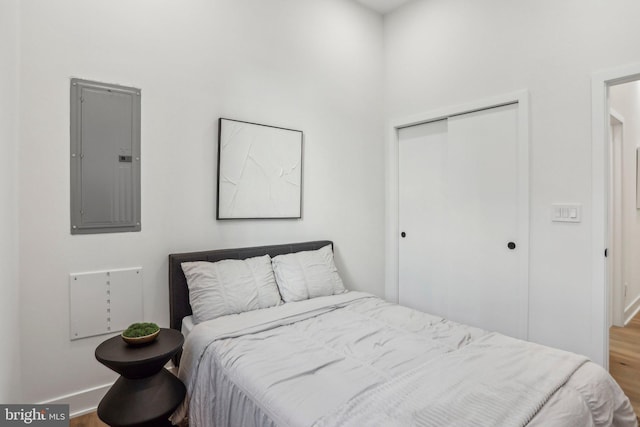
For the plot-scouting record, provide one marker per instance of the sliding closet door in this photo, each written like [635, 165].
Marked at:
[483, 203]
[424, 255]
[459, 212]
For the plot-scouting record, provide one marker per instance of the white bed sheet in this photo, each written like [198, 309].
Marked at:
[187, 325]
[294, 364]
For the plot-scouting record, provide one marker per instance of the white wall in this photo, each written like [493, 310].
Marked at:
[447, 52]
[625, 99]
[309, 65]
[9, 307]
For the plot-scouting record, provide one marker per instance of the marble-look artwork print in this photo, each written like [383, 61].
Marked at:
[259, 171]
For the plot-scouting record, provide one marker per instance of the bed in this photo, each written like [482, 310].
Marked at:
[352, 359]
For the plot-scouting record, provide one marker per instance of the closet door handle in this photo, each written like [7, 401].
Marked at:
[511, 245]
[403, 234]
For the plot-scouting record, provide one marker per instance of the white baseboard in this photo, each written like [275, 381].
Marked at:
[631, 310]
[81, 402]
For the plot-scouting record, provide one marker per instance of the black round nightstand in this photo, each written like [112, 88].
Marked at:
[146, 394]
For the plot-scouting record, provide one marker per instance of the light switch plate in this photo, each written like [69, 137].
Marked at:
[566, 212]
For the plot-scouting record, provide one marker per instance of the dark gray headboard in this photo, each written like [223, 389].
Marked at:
[179, 293]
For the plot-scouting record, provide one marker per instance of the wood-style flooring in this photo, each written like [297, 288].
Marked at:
[624, 366]
[92, 420]
[89, 420]
[624, 359]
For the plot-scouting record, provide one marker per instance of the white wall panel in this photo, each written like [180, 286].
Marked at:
[316, 68]
[10, 390]
[103, 302]
[449, 52]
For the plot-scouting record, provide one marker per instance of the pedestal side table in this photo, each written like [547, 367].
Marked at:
[146, 394]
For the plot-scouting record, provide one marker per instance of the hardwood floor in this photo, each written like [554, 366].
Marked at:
[89, 420]
[92, 420]
[624, 359]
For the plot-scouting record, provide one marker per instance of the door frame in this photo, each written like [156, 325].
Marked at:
[600, 82]
[392, 216]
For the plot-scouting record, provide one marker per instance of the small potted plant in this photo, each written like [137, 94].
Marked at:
[140, 333]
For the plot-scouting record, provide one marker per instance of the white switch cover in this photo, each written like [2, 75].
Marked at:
[566, 212]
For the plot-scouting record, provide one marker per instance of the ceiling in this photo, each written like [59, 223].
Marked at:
[383, 6]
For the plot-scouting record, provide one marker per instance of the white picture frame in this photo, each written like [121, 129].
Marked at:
[259, 171]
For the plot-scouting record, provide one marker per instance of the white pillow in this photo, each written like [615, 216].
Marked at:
[307, 274]
[230, 286]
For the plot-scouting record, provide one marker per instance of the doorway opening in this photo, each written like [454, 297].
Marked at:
[624, 235]
[608, 302]
[615, 245]
[623, 218]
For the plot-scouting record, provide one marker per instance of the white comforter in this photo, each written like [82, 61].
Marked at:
[353, 359]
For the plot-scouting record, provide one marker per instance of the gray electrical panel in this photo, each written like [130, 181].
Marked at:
[105, 158]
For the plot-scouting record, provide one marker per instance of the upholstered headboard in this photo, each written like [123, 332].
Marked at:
[179, 292]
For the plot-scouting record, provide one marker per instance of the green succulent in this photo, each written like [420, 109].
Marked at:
[136, 330]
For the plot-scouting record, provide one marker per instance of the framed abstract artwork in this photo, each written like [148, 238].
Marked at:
[259, 171]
